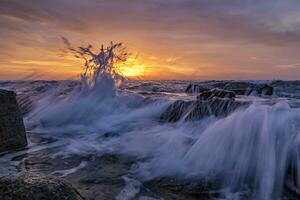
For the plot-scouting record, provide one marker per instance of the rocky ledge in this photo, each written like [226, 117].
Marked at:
[195, 110]
[34, 187]
[213, 99]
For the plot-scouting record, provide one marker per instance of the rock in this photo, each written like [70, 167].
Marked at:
[194, 88]
[171, 188]
[175, 111]
[238, 87]
[12, 130]
[102, 178]
[265, 90]
[195, 110]
[219, 93]
[25, 104]
[36, 188]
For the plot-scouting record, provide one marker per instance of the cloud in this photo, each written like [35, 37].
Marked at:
[255, 21]
[221, 33]
[289, 66]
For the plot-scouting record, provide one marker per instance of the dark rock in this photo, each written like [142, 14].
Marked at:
[12, 130]
[102, 178]
[25, 104]
[215, 93]
[265, 90]
[175, 111]
[195, 88]
[169, 188]
[36, 188]
[195, 110]
[238, 87]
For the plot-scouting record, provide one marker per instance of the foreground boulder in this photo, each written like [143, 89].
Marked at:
[195, 110]
[12, 130]
[36, 188]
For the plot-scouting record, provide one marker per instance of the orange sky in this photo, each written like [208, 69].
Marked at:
[174, 39]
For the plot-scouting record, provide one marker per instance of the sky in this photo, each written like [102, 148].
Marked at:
[171, 39]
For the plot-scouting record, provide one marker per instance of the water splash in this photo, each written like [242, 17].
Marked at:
[94, 100]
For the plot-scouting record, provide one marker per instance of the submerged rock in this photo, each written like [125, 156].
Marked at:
[195, 110]
[36, 188]
[12, 130]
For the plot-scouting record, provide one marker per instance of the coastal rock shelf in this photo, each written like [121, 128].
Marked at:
[12, 130]
[29, 187]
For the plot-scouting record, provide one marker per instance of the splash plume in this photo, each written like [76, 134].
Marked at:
[102, 64]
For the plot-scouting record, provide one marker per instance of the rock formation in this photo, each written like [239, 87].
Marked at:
[215, 93]
[195, 110]
[238, 87]
[12, 131]
[36, 187]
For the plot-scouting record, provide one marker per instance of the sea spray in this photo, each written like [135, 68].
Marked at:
[95, 101]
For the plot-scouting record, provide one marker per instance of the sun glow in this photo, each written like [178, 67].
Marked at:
[132, 68]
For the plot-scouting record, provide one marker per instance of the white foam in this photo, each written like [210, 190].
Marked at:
[131, 189]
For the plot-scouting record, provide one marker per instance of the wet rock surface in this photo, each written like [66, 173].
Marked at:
[219, 93]
[265, 90]
[12, 130]
[94, 177]
[195, 88]
[102, 177]
[217, 98]
[238, 87]
[195, 110]
[169, 189]
[36, 187]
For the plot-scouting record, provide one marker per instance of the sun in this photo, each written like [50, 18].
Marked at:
[132, 68]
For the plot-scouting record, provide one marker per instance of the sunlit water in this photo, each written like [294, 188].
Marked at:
[254, 150]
